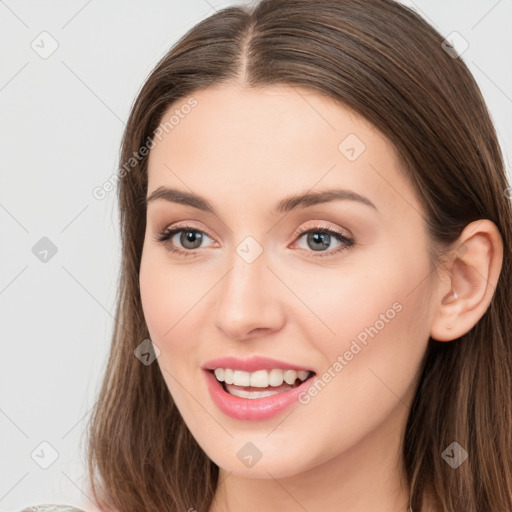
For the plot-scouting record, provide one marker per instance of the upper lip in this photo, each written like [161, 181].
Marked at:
[252, 364]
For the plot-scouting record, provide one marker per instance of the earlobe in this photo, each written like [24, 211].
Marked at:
[470, 278]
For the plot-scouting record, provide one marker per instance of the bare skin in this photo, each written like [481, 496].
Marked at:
[244, 150]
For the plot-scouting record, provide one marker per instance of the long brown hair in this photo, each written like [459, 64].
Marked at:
[386, 63]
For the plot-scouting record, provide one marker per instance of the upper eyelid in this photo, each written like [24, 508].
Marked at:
[322, 225]
[300, 232]
[178, 227]
[347, 242]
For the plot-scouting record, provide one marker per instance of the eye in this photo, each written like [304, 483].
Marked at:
[190, 239]
[320, 237]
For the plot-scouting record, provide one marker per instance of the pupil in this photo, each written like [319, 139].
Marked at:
[319, 238]
[190, 237]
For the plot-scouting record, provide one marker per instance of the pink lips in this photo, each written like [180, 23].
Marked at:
[256, 409]
[252, 364]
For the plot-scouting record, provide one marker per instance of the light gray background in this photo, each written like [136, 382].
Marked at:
[62, 121]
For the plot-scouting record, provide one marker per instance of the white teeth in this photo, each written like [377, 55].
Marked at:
[242, 393]
[228, 376]
[303, 374]
[275, 377]
[242, 378]
[260, 378]
[290, 376]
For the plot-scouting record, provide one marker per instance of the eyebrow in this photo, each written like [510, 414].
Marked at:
[285, 205]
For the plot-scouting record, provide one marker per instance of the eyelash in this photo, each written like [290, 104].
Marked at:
[167, 234]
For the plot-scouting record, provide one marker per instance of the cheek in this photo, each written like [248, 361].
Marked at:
[337, 304]
[373, 313]
[167, 293]
[370, 365]
[380, 295]
[156, 304]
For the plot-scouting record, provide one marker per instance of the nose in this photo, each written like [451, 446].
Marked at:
[250, 300]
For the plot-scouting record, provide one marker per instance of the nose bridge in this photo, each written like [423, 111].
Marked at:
[248, 300]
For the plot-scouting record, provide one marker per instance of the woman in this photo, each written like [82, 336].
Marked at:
[314, 306]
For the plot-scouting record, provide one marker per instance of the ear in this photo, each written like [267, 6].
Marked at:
[469, 278]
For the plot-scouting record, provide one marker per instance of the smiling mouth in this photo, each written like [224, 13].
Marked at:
[259, 384]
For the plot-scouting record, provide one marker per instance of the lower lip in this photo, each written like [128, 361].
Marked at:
[252, 409]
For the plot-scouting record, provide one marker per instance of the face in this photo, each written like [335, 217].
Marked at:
[335, 286]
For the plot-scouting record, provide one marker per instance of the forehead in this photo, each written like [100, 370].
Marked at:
[267, 140]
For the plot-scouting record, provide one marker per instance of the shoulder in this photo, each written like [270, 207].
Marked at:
[52, 508]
